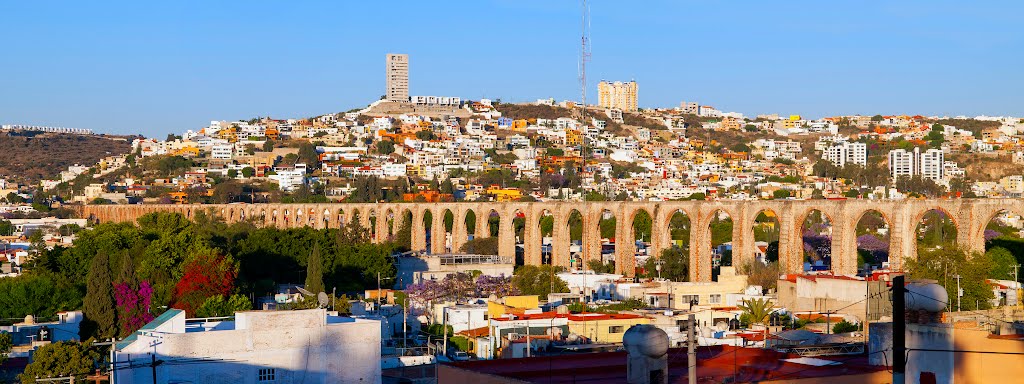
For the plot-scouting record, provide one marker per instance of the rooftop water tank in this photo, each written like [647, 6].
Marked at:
[930, 297]
[646, 339]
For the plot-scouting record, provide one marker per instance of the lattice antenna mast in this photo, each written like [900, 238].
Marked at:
[584, 54]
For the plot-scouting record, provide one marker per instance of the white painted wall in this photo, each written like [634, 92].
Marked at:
[305, 346]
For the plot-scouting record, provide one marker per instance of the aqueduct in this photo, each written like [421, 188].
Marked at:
[902, 217]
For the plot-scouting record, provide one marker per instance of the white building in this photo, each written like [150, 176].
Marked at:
[901, 163]
[289, 179]
[221, 152]
[928, 164]
[304, 346]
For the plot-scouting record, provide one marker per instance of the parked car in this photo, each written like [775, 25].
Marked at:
[460, 356]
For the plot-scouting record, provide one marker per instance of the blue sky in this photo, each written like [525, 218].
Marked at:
[136, 67]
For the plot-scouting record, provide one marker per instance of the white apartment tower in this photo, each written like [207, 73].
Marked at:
[843, 153]
[397, 77]
[930, 164]
[927, 164]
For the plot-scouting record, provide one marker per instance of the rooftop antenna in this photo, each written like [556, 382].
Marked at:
[584, 54]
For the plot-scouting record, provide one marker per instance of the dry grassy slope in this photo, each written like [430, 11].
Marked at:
[29, 158]
[987, 168]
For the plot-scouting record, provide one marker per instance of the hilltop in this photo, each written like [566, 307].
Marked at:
[32, 156]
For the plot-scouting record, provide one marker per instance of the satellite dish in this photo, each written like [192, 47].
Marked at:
[322, 299]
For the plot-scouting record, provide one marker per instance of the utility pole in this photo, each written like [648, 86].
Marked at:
[959, 292]
[444, 328]
[405, 317]
[527, 338]
[691, 348]
[899, 329]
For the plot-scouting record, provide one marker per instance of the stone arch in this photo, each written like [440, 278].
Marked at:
[872, 241]
[448, 220]
[638, 226]
[574, 226]
[766, 234]
[517, 228]
[818, 244]
[990, 216]
[370, 224]
[546, 232]
[721, 250]
[426, 219]
[919, 218]
[389, 224]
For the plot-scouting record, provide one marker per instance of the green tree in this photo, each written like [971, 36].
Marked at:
[98, 307]
[60, 359]
[942, 264]
[232, 173]
[481, 246]
[599, 266]
[217, 306]
[844, 327]
[1002, 263]
[6, 228]
[268, 146]
[248, 172]
[385, 147]
[309, 155]
[315, 271]
[780, 193]
[757, 310]
[539, 280]
[6, 343]
[675, 265]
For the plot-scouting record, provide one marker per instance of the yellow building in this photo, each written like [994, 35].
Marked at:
[731, 124]
[618, 95]
[795, 117]
[504, 194]
[710, 294]
[519, 125]
[603, 327]
[187, 152]
[512, 304]
[573, 137]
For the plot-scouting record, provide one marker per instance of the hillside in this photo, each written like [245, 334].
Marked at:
[29, 156]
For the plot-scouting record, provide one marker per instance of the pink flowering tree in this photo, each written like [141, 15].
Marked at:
[133, 306]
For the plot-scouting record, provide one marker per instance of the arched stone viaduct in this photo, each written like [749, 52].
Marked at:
[902, 216]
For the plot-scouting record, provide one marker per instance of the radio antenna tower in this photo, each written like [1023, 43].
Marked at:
[584, 55]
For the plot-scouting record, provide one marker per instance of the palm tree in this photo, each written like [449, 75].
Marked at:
[757, 309]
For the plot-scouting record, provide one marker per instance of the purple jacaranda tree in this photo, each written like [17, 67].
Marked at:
[818, 246]
[991, 234]
[877, 247]
[499, 286]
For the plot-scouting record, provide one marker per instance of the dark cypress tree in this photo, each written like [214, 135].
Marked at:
[315, 270]
[99, 307]
[128, 270]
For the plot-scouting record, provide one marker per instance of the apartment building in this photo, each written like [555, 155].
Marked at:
[617, 95]
[397, 77]
[928, 164]
[843, 153]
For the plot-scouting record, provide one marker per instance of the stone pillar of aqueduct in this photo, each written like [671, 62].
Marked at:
[902, 216]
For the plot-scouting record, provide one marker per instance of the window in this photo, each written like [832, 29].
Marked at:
[690, 299]
[716, 299]
[615, 329]
[266, 375]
